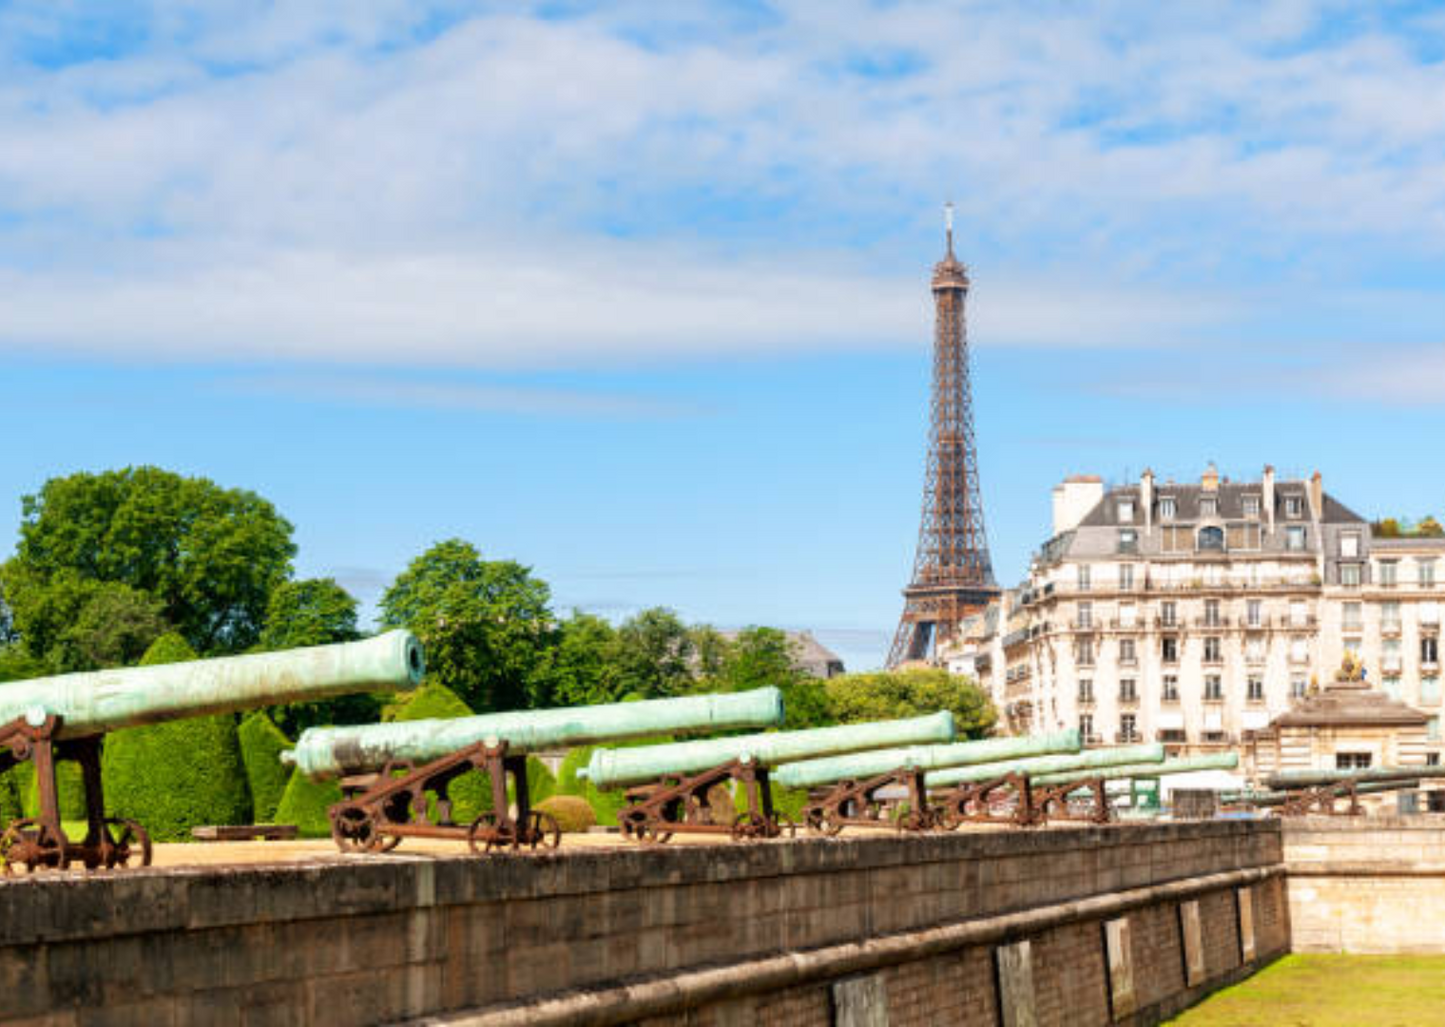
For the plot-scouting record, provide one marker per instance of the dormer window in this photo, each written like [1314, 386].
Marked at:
[1208, 506]
[1211, 539]
[1350, 545]
[1166, 508]
[1126, 511]
[1293, 506]
[1251, 506]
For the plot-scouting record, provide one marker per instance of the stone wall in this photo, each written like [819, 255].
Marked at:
[1367, 884]
[1076, 926]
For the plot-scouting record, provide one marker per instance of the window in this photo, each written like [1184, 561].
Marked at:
[1126, 576]
[1352, 619]
[1430, 691]
[1251, 506]
[1298, 614]
[1208, 506]
[1352, 760]
[1350, 545]
[1293, 506]
[1430, 650]
[1389, 573]
[1211, 613]
[1294, 538]
[1254, 613]
[1298, 688]
[1169, 649]
[1086, 690]
[1084, 652]
[1128, 690]
[1211, 539]
[1350, 575]
[1166, 508]
[1432, 729]
[1392, 686]
[1086, 615]
[1254, 649]
[1167, 614]
[1128, 615]
[1126, 511]
[1213, 649]
[1128, 540]
[1299, 650]
[1243, 536]
[1178, 540]
[1128, 730]
[1426, 571]
[1213, 687]
[1127, 653]
[1390, 655]
[1083, 577]
[1170, 691]
[1255, 688]
[1390, 617]
[1432, 759]
[1086, 727]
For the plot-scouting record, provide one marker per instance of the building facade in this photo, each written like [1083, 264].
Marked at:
[1197, 613]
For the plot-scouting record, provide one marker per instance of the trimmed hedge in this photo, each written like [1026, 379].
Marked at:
[573, 814]
[605, 804]
[175, 776]
[10, 807]
[261, 744]
[69, 786]
[305, 802]
[787, 802]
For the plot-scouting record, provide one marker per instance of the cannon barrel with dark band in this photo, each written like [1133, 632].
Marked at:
[807, 773]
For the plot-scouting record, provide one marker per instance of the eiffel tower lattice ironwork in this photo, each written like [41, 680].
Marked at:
[952, 572]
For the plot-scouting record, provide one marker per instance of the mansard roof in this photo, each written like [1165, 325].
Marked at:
[1229, 497]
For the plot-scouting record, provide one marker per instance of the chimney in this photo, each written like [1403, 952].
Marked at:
[1074, 497]
[1267, 500]
[1210, 480]
[1317, 497]
[1146, 499]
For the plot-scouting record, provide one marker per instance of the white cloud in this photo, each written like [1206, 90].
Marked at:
[506, 190]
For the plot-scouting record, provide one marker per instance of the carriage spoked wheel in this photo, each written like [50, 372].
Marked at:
[543, 830]
[487, 834]
[784, 826]
[355, 829]
[130, 844]
[750, 826]
[641, 828]
[32, 844]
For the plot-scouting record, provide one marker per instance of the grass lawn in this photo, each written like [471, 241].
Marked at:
[1331, 991]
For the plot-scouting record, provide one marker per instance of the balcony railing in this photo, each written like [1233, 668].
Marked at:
[1128, 737]
[1211, 622]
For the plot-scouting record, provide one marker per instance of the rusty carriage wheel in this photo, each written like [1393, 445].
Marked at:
[130, 844]
[751, 826]
[356, 829]
[487, 834]
[543, 830]
[639, 827]
[821, 821]
[33, 844]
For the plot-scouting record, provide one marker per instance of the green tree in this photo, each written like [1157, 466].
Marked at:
[211, 556]
[486, 624]
[583, 669]
[16, 664]
[1428, 527]
[180, 774]
[711, 648]
[757, 657]
[315, 611]
[887, 695]
[1388, 527]
[113, 627]
[654, 655]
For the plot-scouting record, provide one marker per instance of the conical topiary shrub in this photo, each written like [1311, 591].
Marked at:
[305, 802]
[178, 775]
[261, 746]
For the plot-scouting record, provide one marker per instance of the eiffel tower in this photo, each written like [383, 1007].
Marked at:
[952, 573]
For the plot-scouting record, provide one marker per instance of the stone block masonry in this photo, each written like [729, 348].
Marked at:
[1367, 884]
[876, 930]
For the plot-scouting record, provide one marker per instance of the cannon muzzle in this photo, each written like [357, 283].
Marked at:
[328, 751]
[613, 768]
[862, 765]
[107, 700]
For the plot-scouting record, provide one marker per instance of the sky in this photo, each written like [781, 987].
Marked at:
[637, 294]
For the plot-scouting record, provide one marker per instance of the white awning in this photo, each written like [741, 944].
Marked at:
[1254, 720]
[1170, 720]
[1213, 721]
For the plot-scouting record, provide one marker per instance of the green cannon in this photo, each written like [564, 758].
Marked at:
[672, 786]
[1181, 765]
[1013, 791]
[395, 777]
[1266, 800]
[64, 718]
[330, 751]
[1301, 792]
[886, 786]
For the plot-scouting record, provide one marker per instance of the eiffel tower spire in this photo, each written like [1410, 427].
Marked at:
[952, 572]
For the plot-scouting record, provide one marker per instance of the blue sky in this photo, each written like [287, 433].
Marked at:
[641, 300]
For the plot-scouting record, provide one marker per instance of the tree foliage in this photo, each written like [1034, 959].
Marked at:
[654, 655]
[757, 657]
[1394, 527]
[888, 695]
[582, 670]
[485, 624]
[210, 556]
